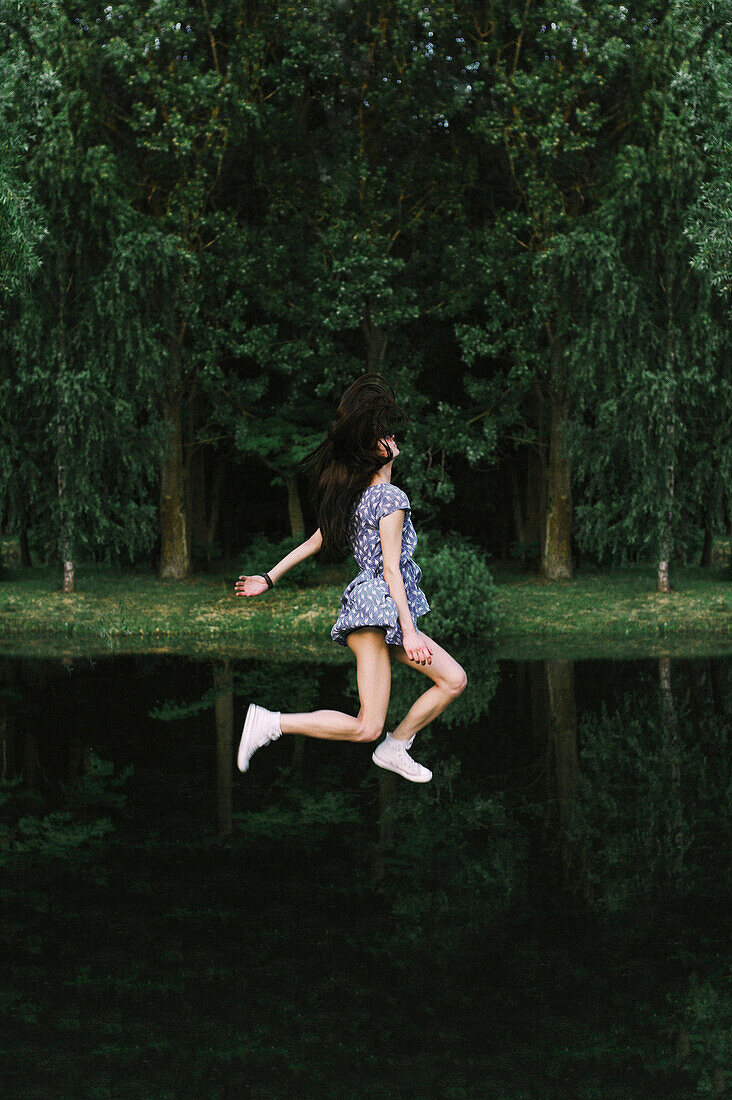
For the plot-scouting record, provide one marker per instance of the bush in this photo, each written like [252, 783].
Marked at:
[459, 587]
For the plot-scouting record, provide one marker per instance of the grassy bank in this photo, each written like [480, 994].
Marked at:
[595, 612]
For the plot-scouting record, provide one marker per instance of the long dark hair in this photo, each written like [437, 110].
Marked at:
[346, 461]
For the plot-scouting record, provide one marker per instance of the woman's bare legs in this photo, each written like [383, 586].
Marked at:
[450, 680]
[373, 674]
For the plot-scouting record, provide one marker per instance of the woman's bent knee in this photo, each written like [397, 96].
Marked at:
[456, 685]
[368, 731]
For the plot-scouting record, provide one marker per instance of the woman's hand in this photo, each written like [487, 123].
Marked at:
[250, 586]
[416, 647]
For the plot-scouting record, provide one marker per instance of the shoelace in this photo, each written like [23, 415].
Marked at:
[411, 765]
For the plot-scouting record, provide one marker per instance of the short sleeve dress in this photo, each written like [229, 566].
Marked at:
[366, 600]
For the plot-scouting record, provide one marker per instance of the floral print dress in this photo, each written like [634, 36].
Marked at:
[366, 600]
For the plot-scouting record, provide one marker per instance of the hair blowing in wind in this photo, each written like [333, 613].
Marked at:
[346, 461]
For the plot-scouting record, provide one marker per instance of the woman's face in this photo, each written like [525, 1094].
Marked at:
[393, 448]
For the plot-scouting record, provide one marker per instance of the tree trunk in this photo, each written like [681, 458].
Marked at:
[65, 536]
[297, 523]
[223, 678]
[175, 559]
[556, 557]
[67, 566]
[175, 562]
[666, 540]
[537, 473]
[664, 583]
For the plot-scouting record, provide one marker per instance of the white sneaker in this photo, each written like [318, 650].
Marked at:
[260, 727]
[393, 756]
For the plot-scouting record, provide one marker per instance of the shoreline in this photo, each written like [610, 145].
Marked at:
[597, 612]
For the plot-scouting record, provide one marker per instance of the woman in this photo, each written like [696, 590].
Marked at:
[358, 505]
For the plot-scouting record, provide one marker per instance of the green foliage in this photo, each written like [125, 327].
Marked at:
[708, 85]
[462, 593]
[279, 686]
[705, 1015]
[214, 222]
[452, 862]
[98, 786]
[653, 793]
[79, 380]
[62, 833]
[306, 817]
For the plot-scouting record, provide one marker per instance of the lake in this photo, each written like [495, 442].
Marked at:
[547, 918]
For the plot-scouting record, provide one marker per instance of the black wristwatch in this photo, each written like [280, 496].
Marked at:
[270, 582]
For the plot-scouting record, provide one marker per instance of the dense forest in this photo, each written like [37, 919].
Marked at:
[215, 215]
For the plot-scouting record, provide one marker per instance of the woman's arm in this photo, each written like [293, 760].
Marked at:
[390, 533]
[255, 585]
[300, 553]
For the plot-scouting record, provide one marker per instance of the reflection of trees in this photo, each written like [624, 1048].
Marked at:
[61, 812]
[654, 798]
[388, 802]
[285, 687]
[673, 748]
[22, 683]
[698, 1025]
[450, 864]
[224, 713]
[562, 763]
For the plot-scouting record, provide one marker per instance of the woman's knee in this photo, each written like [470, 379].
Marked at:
[367, 729]
[457, 682]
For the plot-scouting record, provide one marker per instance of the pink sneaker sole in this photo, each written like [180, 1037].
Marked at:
[248, 744]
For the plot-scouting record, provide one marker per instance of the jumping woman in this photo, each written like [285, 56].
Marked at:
[358, 506]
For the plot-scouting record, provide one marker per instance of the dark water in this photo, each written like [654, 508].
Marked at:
[547, 918]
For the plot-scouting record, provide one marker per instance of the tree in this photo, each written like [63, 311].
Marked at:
[73, 345]
[650, 436]
[21, 229]
[551, 93]
[352, 184]
[177, 111]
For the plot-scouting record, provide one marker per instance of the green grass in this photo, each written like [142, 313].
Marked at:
[596, 612]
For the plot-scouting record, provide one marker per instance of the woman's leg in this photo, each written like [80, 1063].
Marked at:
[373, 674]
[449, 678]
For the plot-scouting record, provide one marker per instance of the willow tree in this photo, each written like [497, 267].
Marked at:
[708, 77]
[651, 435]
[174, 102]
[21, 229]
[553, 101]
[709, 224]
[76, 368]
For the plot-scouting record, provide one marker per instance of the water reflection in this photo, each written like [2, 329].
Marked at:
[223, 679]
[547, 917]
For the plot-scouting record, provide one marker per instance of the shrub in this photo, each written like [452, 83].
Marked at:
[459, 587]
